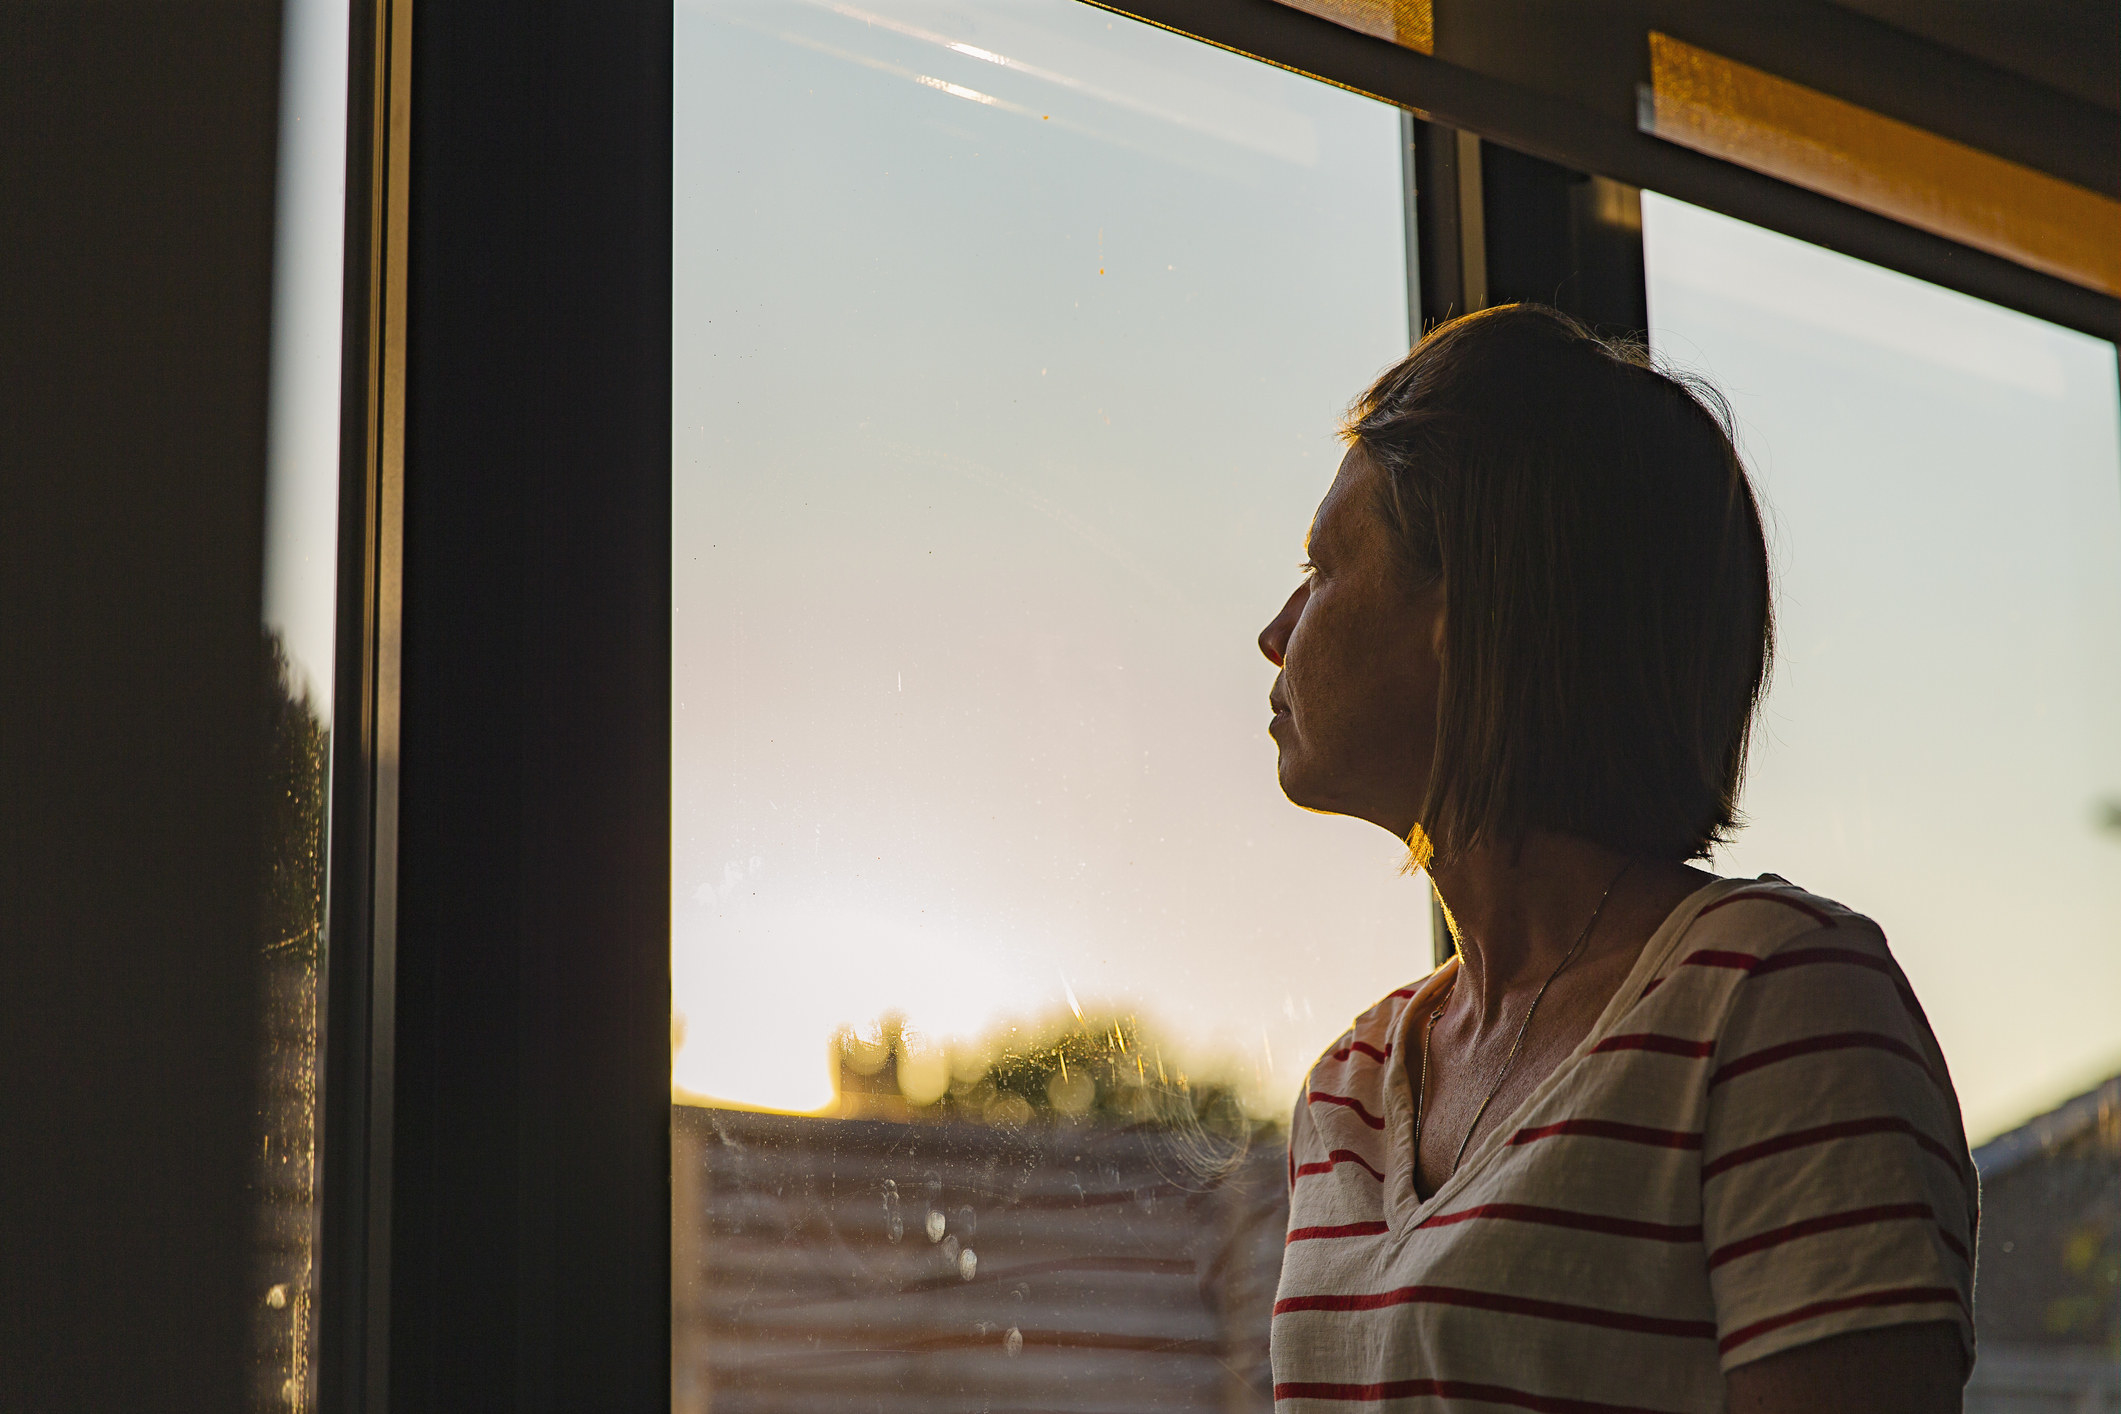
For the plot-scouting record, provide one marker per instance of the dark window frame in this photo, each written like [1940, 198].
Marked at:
[1883, 68]
[495, 1211]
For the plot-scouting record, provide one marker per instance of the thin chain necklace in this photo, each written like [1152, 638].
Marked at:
[1421, 1089]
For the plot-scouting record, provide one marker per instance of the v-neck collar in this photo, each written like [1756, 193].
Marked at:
[1404, 1210]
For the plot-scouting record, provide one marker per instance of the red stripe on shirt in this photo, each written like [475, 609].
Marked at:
[1811, 957]
[1611, 1129]
[1499, 1301]
[1817, 915]
[1338, 1156]
[1896, 1296]
[1712, 957]
[1845, 957]
[1813, 1045]
[1566, 1217]
[1810, 1227]
[1366, 1048]
[1314, 1234]
[1846, 1129]
[1656, 1041]
[1453, 1389]
[1320, 1096]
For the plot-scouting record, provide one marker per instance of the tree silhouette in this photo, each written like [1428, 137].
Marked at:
[1092, 1069]
[292, 886]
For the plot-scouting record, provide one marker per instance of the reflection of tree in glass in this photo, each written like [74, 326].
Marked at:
[1066, 1206]
[2091, 1254]
[291, 920]
[1101, 1070]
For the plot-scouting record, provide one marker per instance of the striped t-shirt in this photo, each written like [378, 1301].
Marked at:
[1756, 1146]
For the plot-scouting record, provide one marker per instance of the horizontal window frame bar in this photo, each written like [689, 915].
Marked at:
[1565, 132]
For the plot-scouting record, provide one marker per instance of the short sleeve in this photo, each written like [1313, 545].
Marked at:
[1837, 1194]
[1299, 1135]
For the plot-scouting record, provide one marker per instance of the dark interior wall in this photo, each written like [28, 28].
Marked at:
[136, 190]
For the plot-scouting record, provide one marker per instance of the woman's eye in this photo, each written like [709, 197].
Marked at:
[1306, 569]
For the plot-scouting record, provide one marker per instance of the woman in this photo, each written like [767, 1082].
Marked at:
[1652, 1140]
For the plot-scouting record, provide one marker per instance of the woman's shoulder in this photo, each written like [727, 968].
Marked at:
[1761, 926]
[1768, 911]
[1763, 960]
[1773, 954]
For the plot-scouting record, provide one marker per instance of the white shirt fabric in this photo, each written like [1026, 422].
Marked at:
[1756, 1146]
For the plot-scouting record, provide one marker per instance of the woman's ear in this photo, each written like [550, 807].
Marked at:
[1431, 613]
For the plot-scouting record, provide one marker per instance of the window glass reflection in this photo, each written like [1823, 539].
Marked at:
[1942, 743]
[1009, 344]
[300, 588]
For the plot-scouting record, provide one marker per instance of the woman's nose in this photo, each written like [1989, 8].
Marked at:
[1274, 638]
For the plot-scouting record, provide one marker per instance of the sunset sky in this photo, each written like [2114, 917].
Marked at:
[1001, 410]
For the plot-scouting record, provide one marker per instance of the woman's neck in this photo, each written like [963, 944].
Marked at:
[1519, 909]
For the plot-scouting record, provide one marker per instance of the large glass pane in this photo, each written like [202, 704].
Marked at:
[1942, 743]
[1009, 346]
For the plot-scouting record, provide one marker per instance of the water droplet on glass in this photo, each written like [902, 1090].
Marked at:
[1013, 1342]
[949, 1250]
[936, 1223]
[967, 1264]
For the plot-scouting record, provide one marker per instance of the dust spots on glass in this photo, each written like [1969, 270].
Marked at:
[894, 1221]
[291, 950]
[1089, 1211]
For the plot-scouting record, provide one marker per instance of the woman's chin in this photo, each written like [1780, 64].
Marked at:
[1304, 789]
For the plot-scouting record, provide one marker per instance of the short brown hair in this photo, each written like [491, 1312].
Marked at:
[1607, 627]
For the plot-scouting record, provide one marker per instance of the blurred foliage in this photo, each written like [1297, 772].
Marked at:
[2091, 1253]
[291, 905]
[298, 752]
[1104, 1070]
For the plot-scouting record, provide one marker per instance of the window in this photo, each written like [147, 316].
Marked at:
[301, 585]
[1942, 744]
[1009, 346]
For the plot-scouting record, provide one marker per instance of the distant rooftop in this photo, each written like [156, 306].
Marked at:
[2044, 1134]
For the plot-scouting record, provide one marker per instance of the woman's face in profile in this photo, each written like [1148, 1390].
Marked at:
[1360, 658]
